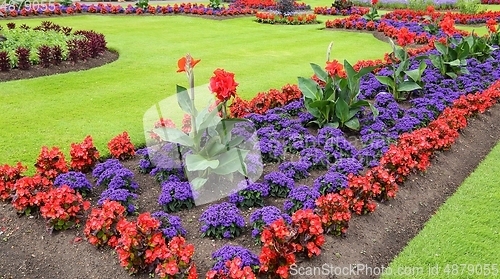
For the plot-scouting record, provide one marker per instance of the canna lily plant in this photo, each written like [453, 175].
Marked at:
[209, 147]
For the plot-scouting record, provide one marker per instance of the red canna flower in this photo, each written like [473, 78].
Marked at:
[405, 37]
[186, 63]
[447, 25]
[492, 25]
[374, 2]
[334, 68]
[223, 85]
[430, 9]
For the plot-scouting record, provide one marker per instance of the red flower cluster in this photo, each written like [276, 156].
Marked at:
[51, 163]
[161, 123]
[234, 271]
[120, 147]
[405, 37]
[334, 212]
[265, 101]
[492, 25]
[62, 207]
[8, 177]
[360, 193]
[223, 85]
[335, 69]
[100, 228]
[186, 123]
[272, 18]
[309, 237]
[142, 246]
[28, 193]
[447, 25]
[84, 156]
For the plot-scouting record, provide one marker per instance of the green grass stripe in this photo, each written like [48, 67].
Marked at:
[461, 239]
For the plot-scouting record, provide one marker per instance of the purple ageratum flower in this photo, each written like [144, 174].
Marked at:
[123, 196]
[250, 196]
[291, 128]
[170, 225]
[279, 184]
[176, 195]
[268, 132]
[101, 167]
[254, 164]
[305, 117]
[222, 220]
[326, 133]
[271, 150]
[123, 179]
[406, 123]
[383, 99]
[229, 252]
[297, 142]
[348, 165]
[257, 119]
[294, 107]
[331, 182]
[296, 170]
[338, 147]
[75, 180]
[316, 157]
[264, 217]
[370, 154]
[301, 197]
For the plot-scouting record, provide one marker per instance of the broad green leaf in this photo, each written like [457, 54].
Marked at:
[184, 100]
[441, 48]
[196, 162]
[309, 88]
[454, 63]
[332, 124]
[174, 135]
[342, 110]
[198, 182]
[352, 124]
[231, 161]
[213, 148]
[320, 104]
[407, 86]
[319, 72]
[414, 75]
[452, 75]
[207, 119]
[385, 80]
[235, 142]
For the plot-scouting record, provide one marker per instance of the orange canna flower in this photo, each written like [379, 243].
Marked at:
[186, 63]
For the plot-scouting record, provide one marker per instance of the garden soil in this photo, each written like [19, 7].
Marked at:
[27, 250]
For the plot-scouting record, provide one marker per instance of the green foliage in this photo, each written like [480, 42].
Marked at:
[66, 3]
[342, 4]
[419, 5]
[215, 151]
[336, 104]
[469, 6]
[215, 4]
[452, 58]
[33, 39]
[403, 80]
[143, 4]
[372, 14]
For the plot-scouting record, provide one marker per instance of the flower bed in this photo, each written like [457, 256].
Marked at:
[344, 12]
[46, 45]
[296, 19]
[393, 143]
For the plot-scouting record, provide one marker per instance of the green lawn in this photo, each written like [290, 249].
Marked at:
[461, 240]
[105, 101]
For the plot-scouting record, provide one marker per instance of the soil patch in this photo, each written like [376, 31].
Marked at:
[64, 67]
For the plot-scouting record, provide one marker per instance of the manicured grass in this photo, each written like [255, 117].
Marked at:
[464, 232]
[103, 102]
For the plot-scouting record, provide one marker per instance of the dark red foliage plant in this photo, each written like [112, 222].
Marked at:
[4, 61]
[23, 58]
[45, 56]
[56, 55]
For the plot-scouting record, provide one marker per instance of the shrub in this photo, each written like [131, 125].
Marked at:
[57, 56]
[175, 196]
[121, 147]
[45, 56]
[279, 184]
[84, 155]
[63, 207]
[4, 61]
[222, 220]
[51, 163]
[251, 196]
[278, 251]
[75, 180]
[100, 228]
[23, 58]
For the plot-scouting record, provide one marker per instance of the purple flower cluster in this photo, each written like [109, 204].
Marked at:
[251, 195]
[316, 157]
[347, 165]
[326, 133]
[223, 220]
[296, 170]
[339, 147]
[170, 225]
[75, 180]
[176, 195]
[264, 217]
[162, 161]
[301, 197]
[119, 181]
[279, 184]
[296, 142]
[229, 252]
[294, 107]
[271, 150]
[331, 182]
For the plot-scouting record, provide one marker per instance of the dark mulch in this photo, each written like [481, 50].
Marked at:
[28, 251]
[64, 67]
